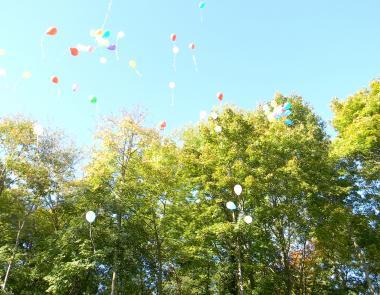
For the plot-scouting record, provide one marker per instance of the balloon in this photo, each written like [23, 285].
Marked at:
[287, 113]
[74, 51]
[175, 49]
[220, 96]
[163, 125]
[288, 122]
[132, 64]
[173, 37]
[75, 87]
[102, 42]
[93, 99]
[266, 108]
[230, 205]
[111, 47]
[91, 49]
[3, 72]
[214, 115]
[26, 75]
[287, 106]
[120, 35]
[103, 60]
[2, 52]
[90, 216]
[99, 32]
[54, 79]
[83, 48]
[238, 189]
[38, 129]
[106, 34]
[248, 219]
[203, 115]
[51, 31]
[202, 5]
[218, 129]
[172, 85]
[192, 46]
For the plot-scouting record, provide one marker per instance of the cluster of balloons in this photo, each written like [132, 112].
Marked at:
[231, 205]
[279, 112]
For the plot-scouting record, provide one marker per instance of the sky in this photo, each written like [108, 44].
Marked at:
[246, 49]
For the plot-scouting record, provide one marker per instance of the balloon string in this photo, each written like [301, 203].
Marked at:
[117, 49]
[172, 98]
[195, 63]
[107, 14]
[174, 63]
[92, 240]
[138, 73]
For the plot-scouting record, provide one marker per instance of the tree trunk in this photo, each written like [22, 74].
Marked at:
[158, 257]
[20, 227]
[114, 285]
[238, 257]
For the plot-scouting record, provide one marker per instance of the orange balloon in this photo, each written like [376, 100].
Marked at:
[54, 79]
[52, 31]
[74, 51]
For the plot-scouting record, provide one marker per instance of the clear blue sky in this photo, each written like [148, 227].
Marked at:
[247, 49]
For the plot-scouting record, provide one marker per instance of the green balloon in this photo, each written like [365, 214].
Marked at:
[202, 5]
[93, 99]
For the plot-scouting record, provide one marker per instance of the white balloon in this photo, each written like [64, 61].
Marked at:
[3, 72]
[27, 75]
[83, 48]
[266, 108]
[230, 205]
[38, 129]
[203, 115]
[102, 42]
[218, 129]
[175, 49]
[214, 115]
[172, 85]
[238, 189]
[120, 35]
[90, 216]
[248, 219]
[103, 60]
[75, 87]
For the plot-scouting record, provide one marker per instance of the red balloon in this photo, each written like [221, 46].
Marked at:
[163, 125]
[173, 37]
[74, 51]
[54, 79]
[220, 95]
[52, 31]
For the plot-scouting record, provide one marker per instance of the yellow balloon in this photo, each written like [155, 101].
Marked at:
[26, 75]
[2, 52]
[132, 64]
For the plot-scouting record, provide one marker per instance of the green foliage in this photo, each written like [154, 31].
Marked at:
[162, 225]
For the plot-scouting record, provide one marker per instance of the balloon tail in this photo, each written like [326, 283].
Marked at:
[172, 104]
[138, 73]
[59, 92]
[107, 14]
[92, 239]
[195, 63]
[117, 49]
[174, 63]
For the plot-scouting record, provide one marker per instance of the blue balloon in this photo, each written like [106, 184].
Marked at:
[287, 106]
[287, 113]
[288, 122]
[106, 34]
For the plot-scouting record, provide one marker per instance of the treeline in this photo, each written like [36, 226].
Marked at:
[162, 225]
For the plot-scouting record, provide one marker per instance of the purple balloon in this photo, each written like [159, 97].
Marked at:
[111, 47]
